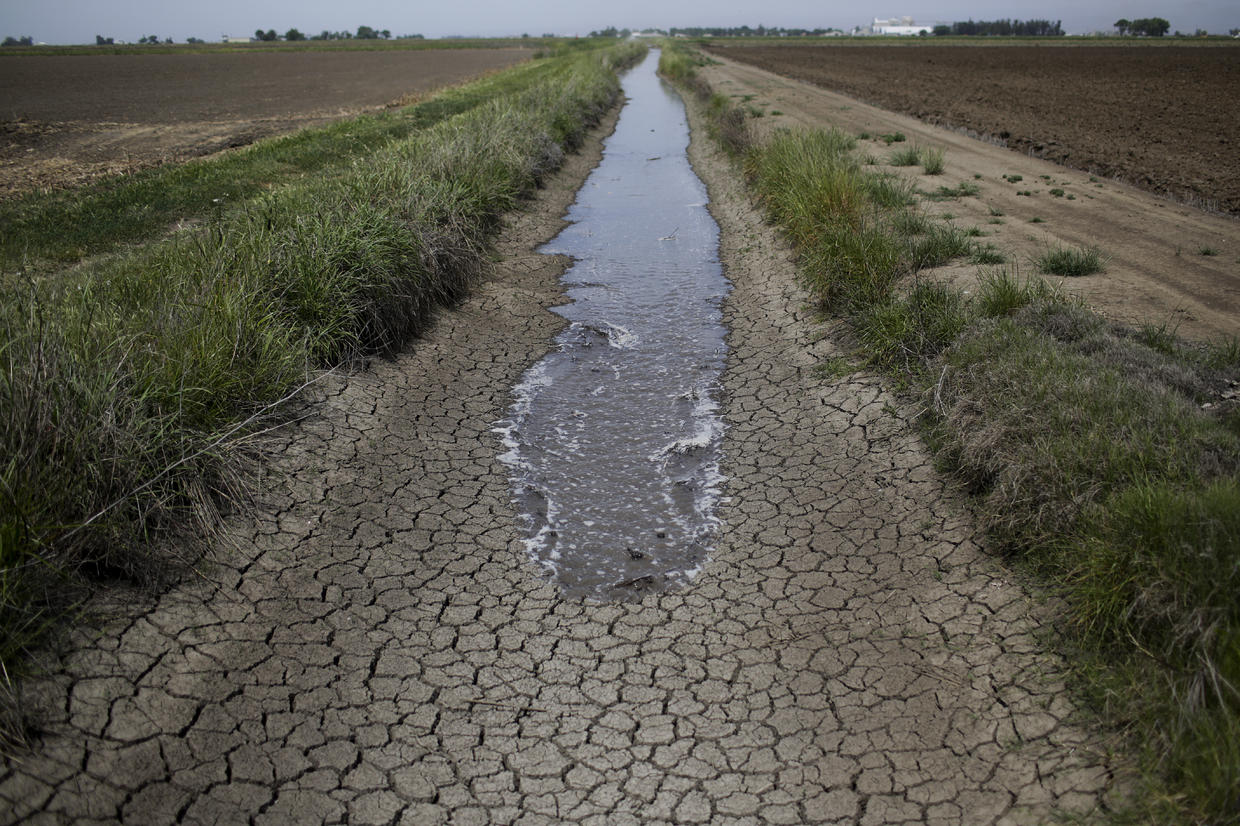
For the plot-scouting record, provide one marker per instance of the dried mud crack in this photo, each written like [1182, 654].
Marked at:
[378, 649]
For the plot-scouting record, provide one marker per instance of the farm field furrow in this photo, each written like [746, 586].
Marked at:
[67, 119]
[1159, 118]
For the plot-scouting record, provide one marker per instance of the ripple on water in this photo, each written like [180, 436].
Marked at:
[613, 439]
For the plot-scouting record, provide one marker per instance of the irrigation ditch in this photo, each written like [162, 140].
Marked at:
[373, 641]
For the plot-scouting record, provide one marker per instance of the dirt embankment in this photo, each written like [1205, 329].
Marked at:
[1161, 118]
[67, 119]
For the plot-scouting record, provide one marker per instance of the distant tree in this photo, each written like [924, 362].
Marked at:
[1123, 25]
[100, 40]
[942, 30]
[152, 39]
[366, 33]
[386, 34]
[1234, 32]
[292, 35]
[1009, 28]
[194, 40]
[26, 40]
[268, 36]
[1150, 26]
[168, 40]
[411, 37]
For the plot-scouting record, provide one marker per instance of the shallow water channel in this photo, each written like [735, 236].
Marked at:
[613, 439]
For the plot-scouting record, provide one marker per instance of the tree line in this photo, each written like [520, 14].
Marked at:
[719, 31]
[746, 31]
[1143, 26]
[363, 33]
[1002, 28]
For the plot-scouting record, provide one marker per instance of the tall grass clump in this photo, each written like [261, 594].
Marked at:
[134, 387]
[1070, 261]
[834, 212]
[905, 156]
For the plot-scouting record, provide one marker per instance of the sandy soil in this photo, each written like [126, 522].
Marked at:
[67, 119]
[378, 647]
[1155, 117]
[1156, 271]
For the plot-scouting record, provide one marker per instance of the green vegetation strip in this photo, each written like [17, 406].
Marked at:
[132, 386]
[53, 228]
[1104, 459]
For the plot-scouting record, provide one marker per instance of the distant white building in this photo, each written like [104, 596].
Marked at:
[902, 26]
[232, 38]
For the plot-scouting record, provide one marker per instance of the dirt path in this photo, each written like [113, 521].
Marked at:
[1143, 113]
[379, 649]
[1155, 272]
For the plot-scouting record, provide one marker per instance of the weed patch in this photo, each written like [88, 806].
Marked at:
[1070, 261]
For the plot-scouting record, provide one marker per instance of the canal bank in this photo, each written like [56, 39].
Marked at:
[377, 645]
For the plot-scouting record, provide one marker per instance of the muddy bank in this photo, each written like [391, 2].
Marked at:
[379, 646]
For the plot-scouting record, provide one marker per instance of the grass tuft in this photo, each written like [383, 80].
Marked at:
[1070, 261]
[1001, 292]
[906, 156]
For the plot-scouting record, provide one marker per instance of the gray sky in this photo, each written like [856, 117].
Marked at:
[78, 21]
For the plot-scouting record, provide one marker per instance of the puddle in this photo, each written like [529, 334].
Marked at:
[613, 440]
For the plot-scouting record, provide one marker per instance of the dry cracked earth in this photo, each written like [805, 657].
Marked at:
[377, 649]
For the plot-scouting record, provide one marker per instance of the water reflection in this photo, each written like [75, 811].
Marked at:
[613, 441]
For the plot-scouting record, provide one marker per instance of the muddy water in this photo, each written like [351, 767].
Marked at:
[613, 440]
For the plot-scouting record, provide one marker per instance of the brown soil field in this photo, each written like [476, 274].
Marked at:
[1166, 263]
[1163, 118]
[65, 119]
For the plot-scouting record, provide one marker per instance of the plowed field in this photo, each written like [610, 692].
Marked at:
[69, 118]
[1161, 118]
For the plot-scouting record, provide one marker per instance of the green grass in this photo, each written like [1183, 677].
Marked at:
[906, 156]
[1104, 460]
[986, 254]
[932, 161]
[964, 189]
[1070, 261]
[132, 385]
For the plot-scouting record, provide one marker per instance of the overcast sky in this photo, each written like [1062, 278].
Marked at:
[78, 21]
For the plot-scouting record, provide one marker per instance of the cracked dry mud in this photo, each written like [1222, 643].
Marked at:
[378, 649]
